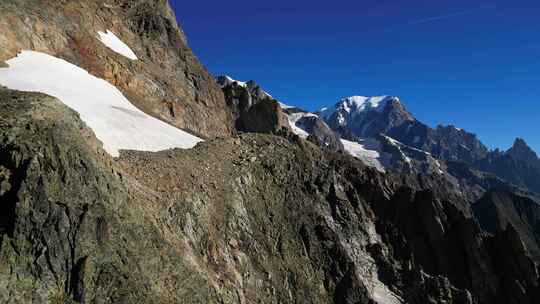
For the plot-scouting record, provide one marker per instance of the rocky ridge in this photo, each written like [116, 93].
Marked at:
[255, 218]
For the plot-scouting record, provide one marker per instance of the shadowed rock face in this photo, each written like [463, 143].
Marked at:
[167, 81]
[253, 109]
[519, 165]
[521, 151]
[255, 218]
[512, 170]
[501, 208]
[321, 134]
[318, 131]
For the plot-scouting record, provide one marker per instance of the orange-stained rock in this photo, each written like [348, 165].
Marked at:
[166, 69]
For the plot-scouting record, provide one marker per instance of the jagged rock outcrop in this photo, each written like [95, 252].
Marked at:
[521, 151]
[253, 109]
[313, 128]
[167, 81]
[255, 218]
[512, 170]
[500, 208]
[519, 165]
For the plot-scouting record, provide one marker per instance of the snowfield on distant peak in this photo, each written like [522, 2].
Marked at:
[361, 103]
[114, 120]
[357, 104]
[110, 40]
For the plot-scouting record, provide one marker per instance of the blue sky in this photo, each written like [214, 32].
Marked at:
[474, 64]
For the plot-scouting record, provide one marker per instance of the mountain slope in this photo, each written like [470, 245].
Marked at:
[166, 81]
[249, 218]
[256, 218]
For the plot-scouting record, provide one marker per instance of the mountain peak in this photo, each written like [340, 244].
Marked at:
[366, 116]
[521, 151]
[363, 103]
[520, 143]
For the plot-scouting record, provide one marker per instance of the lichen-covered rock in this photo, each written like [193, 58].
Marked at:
[72, 229]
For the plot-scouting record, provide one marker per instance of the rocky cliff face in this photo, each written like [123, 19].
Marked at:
[521, 151]
[167, 81]
[73, 229]
[500, 208]
[512, 169]
[253, 109]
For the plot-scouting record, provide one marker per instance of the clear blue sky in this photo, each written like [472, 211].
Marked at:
[474, 64]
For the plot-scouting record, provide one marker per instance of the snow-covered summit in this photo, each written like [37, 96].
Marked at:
[358, 104]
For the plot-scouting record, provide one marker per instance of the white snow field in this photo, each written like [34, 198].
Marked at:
[114, 120]
[114, 43]
[365, 151]
[296, 127]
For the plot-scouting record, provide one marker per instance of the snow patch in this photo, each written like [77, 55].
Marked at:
[383, 295]
[398, 145]
[284, 106]
[296, 126]
[240, 83]
[365, 150]
[114, 120]
[363, 103]
[110, 40]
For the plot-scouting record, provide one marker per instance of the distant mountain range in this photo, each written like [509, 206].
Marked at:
[383, 133]
[503, 186]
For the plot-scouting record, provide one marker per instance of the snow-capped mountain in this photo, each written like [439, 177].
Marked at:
[365, 116]
[356, 104]
[383, 134]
